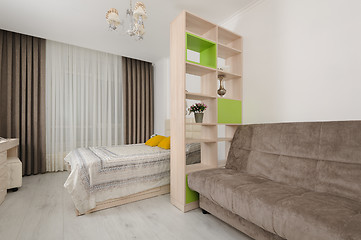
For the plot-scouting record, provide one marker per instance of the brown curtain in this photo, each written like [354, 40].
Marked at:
[138, 100]
[22, 97]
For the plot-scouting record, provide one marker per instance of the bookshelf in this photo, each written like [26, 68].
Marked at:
[213, 45]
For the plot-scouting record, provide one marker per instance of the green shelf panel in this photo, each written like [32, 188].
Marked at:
[207, 50]
[191, 196]
[229, 111]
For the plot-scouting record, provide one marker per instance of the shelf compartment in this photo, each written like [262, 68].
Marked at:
[226, 52]
[234, 64]
[229, 38]
[200, 26]
[201, 36]
[233, 87]
[206, 49]
[198, 96]
[198, 70]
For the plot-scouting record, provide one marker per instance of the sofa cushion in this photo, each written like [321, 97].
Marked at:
[338, 178]
[317, 216]
[296, 213]
[250, 229]
[257, 202]
[197, 180]
[301, 172]
[341, 141]
[288, 211]
[240, 148]
[218, 185]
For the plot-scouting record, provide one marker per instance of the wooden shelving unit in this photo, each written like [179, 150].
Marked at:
[211, 42]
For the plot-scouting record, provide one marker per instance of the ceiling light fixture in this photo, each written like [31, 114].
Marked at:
[134, 20]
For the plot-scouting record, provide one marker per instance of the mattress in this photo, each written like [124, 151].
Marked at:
[102, 173]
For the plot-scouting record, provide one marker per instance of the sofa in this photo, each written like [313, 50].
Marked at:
[296, 181]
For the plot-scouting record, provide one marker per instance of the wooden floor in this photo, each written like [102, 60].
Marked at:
[42, 209]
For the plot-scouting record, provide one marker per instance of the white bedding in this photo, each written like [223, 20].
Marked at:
[103, 173]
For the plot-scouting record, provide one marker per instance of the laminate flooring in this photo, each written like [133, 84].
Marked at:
[42, 210]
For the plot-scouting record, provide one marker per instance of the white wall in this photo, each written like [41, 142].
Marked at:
[302, 60]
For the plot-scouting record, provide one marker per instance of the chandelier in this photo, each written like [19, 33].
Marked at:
[133, 24]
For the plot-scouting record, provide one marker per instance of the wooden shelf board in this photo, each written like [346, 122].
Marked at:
[230, 124]
[238, 99]
[199, 96]
[226, 52]
[198, 70]
[202, 124]
[199, 140]
[228, 75]
[197, 167]
[224, 139]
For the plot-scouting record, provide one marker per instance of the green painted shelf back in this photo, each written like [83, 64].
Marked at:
[207, 50]
[229, 111]
[191, 195]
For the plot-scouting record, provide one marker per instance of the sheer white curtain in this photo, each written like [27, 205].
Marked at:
[83, 101]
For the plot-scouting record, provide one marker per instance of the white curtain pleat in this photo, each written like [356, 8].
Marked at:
[83, 101]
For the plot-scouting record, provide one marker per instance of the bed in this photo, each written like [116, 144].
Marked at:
[104, 177]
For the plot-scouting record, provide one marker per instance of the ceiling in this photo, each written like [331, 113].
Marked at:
[82, 22]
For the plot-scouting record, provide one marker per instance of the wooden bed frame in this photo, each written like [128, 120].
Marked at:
[115, 202]
[128, 199]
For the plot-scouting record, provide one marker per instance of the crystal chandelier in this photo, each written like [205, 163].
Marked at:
[134, 20]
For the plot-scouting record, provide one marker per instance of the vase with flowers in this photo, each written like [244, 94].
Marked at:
[198, 110]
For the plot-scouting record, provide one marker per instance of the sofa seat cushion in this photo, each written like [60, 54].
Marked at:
[291, 212]
[294, 213]
[257, 202]
[318, 216]
[219, 184]
[197, 180]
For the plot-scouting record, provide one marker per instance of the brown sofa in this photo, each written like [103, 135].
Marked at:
[288, 181]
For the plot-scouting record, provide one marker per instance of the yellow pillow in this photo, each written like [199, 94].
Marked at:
[154, 141]
[165, 143]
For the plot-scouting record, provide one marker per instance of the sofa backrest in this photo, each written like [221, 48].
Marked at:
[320, 156]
